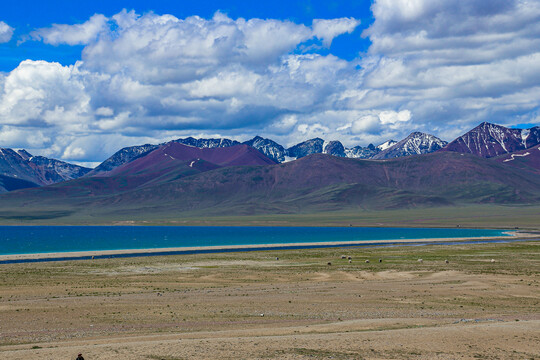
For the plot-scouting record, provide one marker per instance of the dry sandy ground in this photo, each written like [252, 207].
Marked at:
[254, 306]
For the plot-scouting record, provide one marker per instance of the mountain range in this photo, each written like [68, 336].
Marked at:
[415, 144]
[19, 169]
[221, 176]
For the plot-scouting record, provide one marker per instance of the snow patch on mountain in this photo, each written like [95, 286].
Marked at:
[524, 135]
[387, 144]
[513, 156]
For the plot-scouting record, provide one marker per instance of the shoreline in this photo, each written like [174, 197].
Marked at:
[104, 254]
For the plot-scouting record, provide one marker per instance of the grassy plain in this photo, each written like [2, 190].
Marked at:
[474, 216]
[251, 305]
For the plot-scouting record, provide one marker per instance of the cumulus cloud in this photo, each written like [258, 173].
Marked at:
[78, 34]
[440, 66]
[162, 77]
[158, 48]
[40, 92]
[327, 30]
[6, 32]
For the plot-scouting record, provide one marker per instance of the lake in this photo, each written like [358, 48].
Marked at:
[52, 239]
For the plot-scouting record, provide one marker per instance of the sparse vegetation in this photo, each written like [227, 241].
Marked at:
[214, 302]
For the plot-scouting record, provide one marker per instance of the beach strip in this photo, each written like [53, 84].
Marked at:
[101, 254]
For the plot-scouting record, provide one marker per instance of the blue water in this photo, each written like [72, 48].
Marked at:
[47, 239]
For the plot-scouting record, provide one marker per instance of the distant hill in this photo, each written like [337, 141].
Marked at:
[239, 181]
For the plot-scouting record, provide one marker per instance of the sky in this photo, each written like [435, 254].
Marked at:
[80, 80]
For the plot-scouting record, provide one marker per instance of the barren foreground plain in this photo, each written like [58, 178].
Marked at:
[252, 305]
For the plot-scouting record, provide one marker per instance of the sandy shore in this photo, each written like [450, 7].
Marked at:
[207, 249]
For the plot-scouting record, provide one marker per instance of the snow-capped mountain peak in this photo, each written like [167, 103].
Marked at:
[489, 140]
[415, 144]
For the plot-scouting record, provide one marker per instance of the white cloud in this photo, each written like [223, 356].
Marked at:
[366, 124]
[153, 48]
[104, 111]
[6, 32]
[327, 30]
[440, 66]
[224, 84]
[11, 136]
[393, 117]
[75, 153]
[78, 34]
[39, 91]
[309, 131]
[284, 124]
[453, 63]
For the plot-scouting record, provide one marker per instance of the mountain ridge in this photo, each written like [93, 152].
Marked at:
[32, 170]
[416, 143]
[491, 140]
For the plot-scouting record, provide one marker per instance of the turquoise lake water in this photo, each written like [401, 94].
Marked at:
[47, 239]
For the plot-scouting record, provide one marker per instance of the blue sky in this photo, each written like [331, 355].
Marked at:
[26, 16]
[79, 80]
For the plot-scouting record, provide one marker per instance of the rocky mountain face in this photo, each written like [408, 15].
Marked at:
[317, 146]
[334, 148]
[37, 170]
[359, 152]
[269, 148]
[415, 144]
[308, 147]
[368, 152]
[207, 143]
[490, 140]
